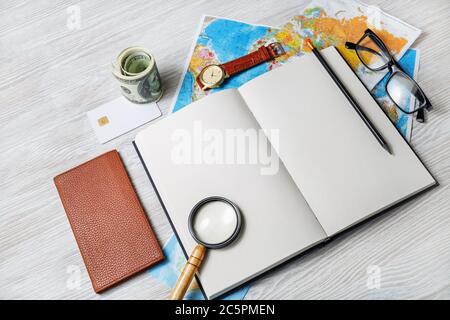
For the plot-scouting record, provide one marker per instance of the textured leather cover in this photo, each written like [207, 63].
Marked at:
[112, 231]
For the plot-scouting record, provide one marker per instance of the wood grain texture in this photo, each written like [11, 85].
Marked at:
[51, 76]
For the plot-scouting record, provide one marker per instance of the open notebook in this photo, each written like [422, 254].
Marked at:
[332, 172]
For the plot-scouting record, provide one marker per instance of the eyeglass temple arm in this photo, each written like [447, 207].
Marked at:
[420, 116]
[354, 46]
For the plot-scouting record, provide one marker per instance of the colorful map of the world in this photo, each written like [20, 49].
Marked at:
[327, 23]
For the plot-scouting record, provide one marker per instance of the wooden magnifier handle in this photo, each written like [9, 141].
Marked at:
[188, 273]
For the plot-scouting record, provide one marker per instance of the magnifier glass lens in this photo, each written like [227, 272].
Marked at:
[215, 222]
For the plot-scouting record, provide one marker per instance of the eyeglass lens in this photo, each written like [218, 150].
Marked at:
[402, 89]
[371, 54]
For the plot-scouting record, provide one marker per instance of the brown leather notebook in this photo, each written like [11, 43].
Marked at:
[112, 231]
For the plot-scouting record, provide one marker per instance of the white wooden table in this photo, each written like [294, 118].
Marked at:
[51, 76]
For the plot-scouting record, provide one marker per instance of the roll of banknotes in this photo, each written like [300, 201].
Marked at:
[135, 69]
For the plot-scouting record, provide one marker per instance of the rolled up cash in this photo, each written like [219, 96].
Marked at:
[135, 69]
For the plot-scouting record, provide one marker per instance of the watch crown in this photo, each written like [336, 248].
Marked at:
[276, 49]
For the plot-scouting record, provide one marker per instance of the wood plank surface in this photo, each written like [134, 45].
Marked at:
[51, 76]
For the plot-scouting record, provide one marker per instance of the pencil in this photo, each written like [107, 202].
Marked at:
[349, 97]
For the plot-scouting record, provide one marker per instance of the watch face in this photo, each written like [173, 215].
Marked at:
[212, 76]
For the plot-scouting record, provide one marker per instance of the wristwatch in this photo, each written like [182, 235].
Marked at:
[212, 76]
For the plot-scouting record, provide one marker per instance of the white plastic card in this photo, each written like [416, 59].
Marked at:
[120, 116]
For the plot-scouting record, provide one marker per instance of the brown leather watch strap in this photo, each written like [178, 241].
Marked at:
[263, 54]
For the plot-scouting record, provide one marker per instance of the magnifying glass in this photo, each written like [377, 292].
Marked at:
[214, 223]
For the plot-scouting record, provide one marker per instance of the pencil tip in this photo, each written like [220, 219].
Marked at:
[309, 44]
[386, 147]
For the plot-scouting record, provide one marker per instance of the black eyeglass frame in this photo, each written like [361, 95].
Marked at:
[394, 68]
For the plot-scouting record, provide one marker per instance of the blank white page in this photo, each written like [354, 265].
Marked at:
[342, 171]
[278, 223]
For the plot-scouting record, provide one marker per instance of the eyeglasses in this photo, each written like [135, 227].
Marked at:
[400, 87]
